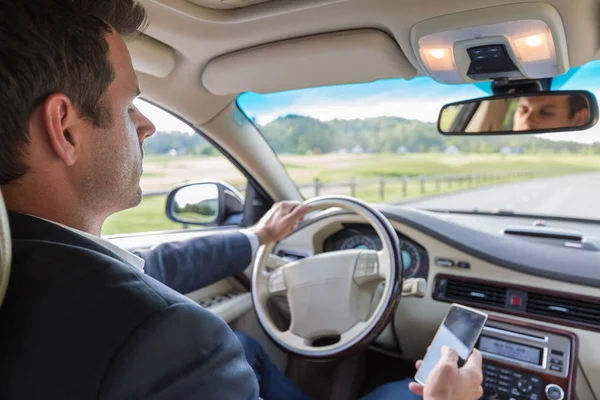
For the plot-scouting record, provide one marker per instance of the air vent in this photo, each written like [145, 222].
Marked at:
[563, 308]
[459, 291]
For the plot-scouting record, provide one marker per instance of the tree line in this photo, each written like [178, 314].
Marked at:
[294, 134]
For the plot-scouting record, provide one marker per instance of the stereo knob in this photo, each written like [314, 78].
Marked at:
[554, 392]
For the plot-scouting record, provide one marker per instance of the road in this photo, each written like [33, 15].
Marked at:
[571, 195]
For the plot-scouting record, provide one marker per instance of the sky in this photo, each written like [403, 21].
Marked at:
[420, 98]
[162, 120]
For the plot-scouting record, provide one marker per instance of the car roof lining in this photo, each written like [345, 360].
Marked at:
[187, 49]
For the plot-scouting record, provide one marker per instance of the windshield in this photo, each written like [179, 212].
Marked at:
[379, 142]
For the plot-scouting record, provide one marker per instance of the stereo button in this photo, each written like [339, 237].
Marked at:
[525, 386]
[556, 368]
[444, 262]
[506, 377]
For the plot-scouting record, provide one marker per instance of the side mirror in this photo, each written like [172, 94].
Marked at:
[520, 113]
[205, 204]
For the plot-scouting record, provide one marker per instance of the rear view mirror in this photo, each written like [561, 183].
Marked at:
[539, 112]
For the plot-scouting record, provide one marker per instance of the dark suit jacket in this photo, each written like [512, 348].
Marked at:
[80, 323]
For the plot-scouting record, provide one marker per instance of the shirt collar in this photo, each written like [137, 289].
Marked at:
[130, 258]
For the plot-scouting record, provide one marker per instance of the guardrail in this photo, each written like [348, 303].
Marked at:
[427, 184]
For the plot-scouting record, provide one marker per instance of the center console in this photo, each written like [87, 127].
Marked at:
[526, 362]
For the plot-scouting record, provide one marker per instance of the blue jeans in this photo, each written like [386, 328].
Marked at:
[276, 386]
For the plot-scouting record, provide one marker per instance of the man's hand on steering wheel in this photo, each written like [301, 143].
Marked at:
[279, 221]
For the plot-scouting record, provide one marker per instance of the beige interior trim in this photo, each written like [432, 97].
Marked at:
[234, 132]
[330, 59]
[198, 10]
[226, 4]
[583, 391]
[5, 250]
[151, 56]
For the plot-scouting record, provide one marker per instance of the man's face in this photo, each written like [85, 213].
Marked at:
[111, 178]
[545, 112]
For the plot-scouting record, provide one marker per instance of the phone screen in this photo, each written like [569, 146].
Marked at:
[460, 330]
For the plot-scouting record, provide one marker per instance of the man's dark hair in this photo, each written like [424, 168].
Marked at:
[55, 46]
[576, 104]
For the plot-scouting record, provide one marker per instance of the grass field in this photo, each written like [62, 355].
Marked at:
[164, 172]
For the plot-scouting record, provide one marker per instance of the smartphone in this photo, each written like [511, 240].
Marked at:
[459, 330]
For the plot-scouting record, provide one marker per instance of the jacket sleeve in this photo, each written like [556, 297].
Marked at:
[182, 352]
[199, 262]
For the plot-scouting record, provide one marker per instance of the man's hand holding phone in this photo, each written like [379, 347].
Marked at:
[448, 382]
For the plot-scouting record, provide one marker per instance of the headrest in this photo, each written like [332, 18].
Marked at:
[5, 250]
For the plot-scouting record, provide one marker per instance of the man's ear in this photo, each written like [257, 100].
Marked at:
[581, 117]
[60, 121]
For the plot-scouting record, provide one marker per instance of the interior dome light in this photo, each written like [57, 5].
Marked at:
[438, 59]
[533, 41]
[437, 53]
[534, 48]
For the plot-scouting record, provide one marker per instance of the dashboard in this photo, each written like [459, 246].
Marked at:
[415, 260]
[538, 283]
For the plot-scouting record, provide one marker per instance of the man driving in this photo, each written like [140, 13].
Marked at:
[83, 318]
[550, 112]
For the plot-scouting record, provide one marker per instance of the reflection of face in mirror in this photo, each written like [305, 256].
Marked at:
[550, 112]
[520, 113]
[197, 203]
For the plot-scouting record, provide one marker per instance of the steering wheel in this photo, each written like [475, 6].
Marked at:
[339, 301]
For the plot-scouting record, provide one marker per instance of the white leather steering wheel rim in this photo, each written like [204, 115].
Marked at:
[323, 273]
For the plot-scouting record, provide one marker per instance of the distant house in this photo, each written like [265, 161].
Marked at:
[506, 150]
[402, 150]
[358, 149]
[173, 152]
[452, 150]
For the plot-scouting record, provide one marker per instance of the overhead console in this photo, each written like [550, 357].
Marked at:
[517, 41]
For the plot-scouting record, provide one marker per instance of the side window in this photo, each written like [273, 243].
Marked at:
[174, 155]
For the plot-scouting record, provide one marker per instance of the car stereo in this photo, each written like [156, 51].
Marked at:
[526, 362]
